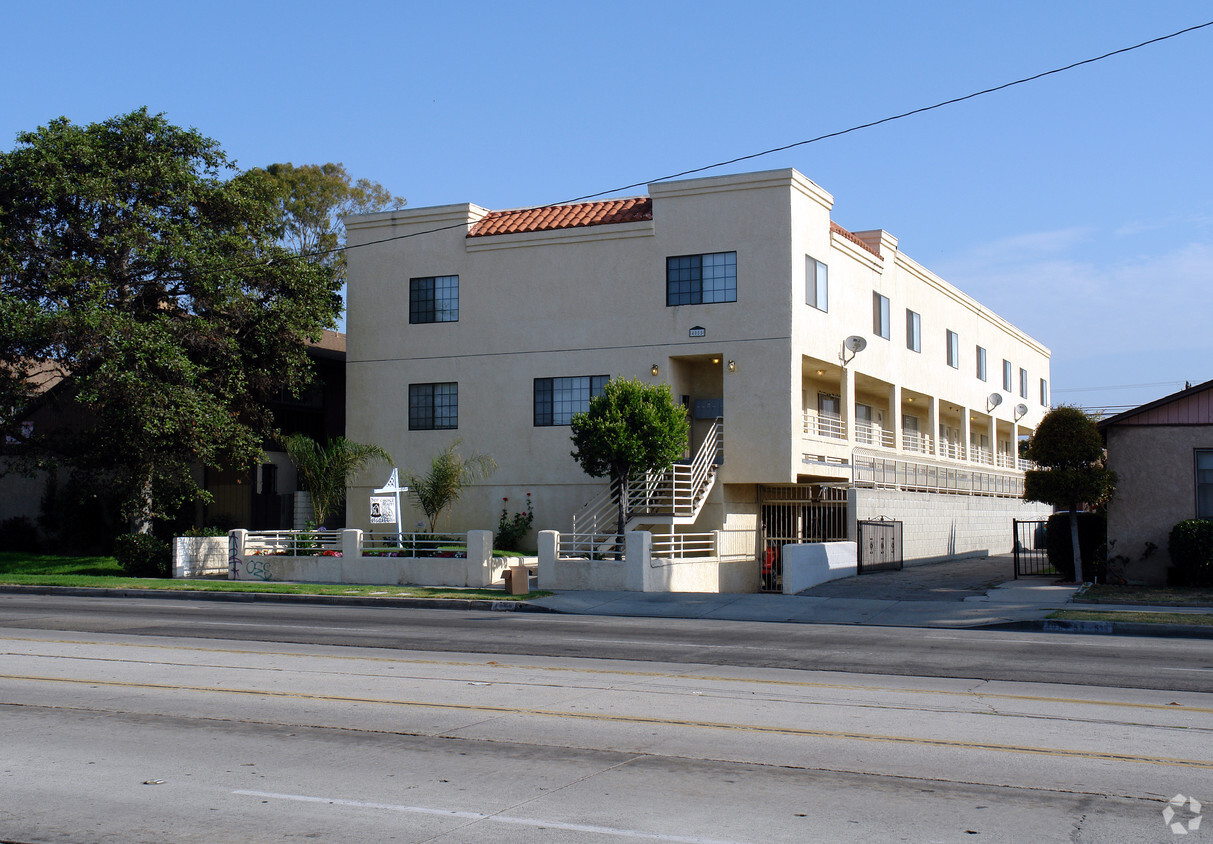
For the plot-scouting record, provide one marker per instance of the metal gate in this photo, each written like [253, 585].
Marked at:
[793, 515]
[1031, 548]
[879, 546]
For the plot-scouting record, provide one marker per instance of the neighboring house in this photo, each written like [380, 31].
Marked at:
[262, 498]
[494, 327]
[1162, 453]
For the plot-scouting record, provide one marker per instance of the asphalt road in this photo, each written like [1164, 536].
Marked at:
[1122, 662]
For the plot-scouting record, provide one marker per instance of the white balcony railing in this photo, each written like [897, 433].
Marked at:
[916, 443]
[826, 425]
[867, 433]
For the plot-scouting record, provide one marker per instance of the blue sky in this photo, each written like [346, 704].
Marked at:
[1080, 206]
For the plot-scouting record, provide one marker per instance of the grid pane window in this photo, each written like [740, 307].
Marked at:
[880, 315]
[981, 363]
[434, 299]
[953, 350]
[1204, 484]
[701, 279]
[816, 284]
[913, 331]
[558, 399]
[433, 407]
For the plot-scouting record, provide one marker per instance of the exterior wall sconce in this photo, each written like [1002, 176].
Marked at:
[715, 360]
[654, 370]
[820, 372]
[732, 366]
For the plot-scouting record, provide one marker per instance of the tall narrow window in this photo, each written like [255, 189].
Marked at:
[1006, 376]
[1044, 393]
[1023, 383]
[913, 331]
[981, 363]
[1204, 483]
[557, 399]
[434, 299]
[701, 279]
[816, 284]
[880, 315]
[953, 350]
[433, 407]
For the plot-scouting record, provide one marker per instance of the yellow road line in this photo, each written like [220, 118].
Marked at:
[690, 675]
[649, 720]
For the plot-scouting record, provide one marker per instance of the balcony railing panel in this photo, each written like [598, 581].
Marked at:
[824, 425]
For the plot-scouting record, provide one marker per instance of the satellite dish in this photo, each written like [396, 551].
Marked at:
[995, 400]
[1021, 410]
[855, 343]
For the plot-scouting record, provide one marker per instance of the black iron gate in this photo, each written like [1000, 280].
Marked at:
[1031, 548]
[797, 514]
[879, 546]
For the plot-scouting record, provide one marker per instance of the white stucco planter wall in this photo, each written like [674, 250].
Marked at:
[812, 563]
[194, 556]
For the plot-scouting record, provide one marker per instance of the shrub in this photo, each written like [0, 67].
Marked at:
[18, 534]
[143, 555]
[511, 529]
[1092, 541]
[205, 531]
[1191, 548]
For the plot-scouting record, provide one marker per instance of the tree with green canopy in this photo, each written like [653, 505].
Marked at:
[1072, 468]
[449, 474]
[312, 198]
[326, 470]
[630, 428]
[137, 266]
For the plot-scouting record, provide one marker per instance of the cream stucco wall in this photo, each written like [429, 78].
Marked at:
[591, 301]
[1155, 489]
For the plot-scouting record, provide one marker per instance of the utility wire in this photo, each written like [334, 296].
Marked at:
[824, 137]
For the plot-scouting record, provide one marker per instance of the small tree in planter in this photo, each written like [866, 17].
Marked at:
[1067, 448]
[449, 474]
[326, 470]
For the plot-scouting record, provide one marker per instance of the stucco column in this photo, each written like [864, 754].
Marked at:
[846, 402]
[993, 435]
[549, 541]
[933, 424]
[638, 555]
[235, 553]
[893, 420]
[966, 435]
[351, 544]
[479, 550]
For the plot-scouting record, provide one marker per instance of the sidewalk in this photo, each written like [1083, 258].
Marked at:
[978, 592]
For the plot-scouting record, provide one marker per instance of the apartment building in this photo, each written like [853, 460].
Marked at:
[823, 367]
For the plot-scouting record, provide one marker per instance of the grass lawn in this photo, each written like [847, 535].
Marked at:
[1198, 618]
[1176, 596]
[105, 573]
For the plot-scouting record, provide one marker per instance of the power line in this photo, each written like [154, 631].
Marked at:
[1118, 387]
[824, 137]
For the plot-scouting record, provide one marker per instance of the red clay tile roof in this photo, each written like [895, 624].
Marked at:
[854, 238]
[550, 217]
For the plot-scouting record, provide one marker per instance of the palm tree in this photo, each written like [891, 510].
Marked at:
[326, 470]
[442, 485]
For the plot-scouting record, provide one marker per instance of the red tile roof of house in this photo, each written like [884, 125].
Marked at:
[549, 217]
[854, 238]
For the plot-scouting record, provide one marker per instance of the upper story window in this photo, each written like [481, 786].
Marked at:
[913, 331]
[1023, 383]
[816, 284]
[1204, 483]
[880, 315]
[433, 407]
[1044, 393]
[981, 363]
[1006, 376]
[557, 399]
[434, 299]
[953, 350]
[701, 279]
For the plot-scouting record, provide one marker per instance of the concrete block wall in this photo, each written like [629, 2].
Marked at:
[938, 527]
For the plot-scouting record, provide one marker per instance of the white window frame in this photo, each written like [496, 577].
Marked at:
[880, 315]
[913, 331]
[816, 284]
[953, 349]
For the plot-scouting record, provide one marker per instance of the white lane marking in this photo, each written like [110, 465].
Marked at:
[1165, 668]
[1041, 641]
[479, 816]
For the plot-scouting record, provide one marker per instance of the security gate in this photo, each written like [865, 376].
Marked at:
[796, 514]
[879, 546]
[1031, 548]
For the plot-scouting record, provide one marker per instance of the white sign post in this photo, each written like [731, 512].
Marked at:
[387, 510]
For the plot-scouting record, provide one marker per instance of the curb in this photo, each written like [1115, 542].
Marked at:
[1108, 628]
[281, 597]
